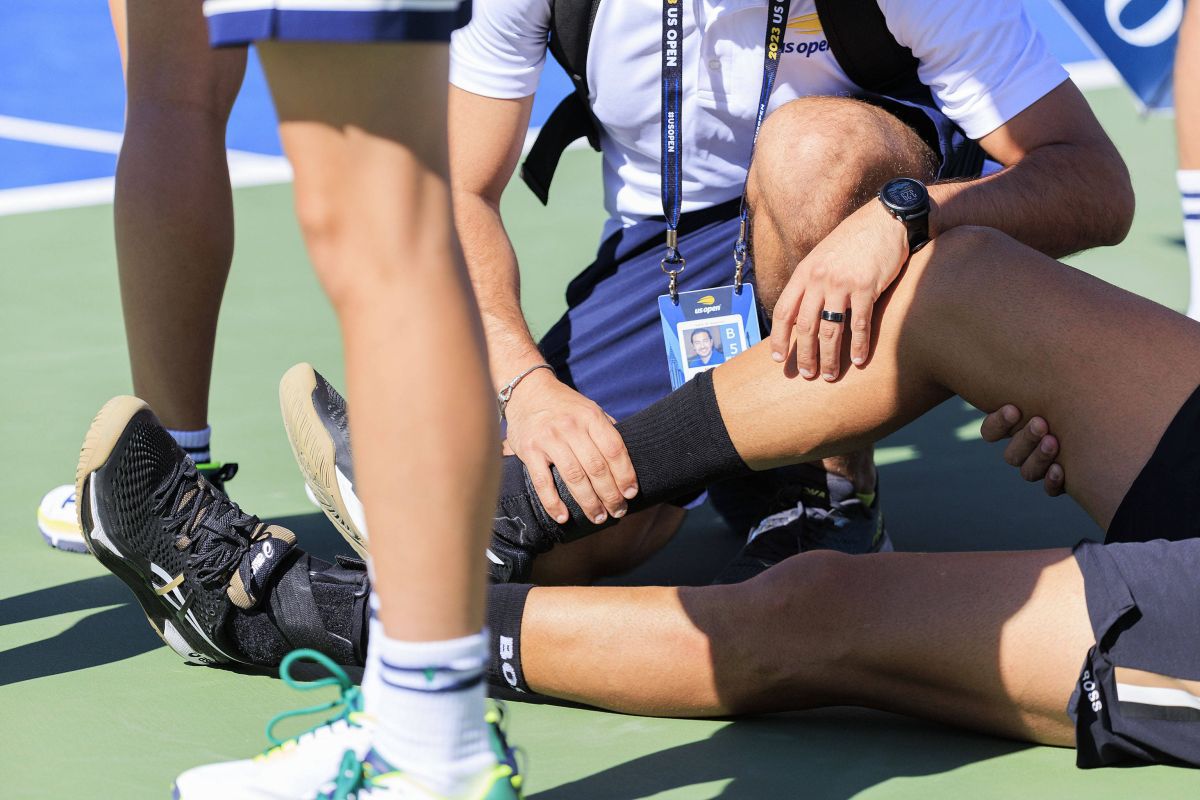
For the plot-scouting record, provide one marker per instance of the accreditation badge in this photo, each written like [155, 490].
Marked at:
[706, 328]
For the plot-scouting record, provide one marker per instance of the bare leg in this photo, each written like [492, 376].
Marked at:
[991, 641]
[1187, 93]
[173, 207]
[1187, 126]
[978, 314]
[373, 201]
[621, 548]
[806, 178]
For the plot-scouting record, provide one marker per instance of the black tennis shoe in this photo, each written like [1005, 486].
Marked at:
[188, 553]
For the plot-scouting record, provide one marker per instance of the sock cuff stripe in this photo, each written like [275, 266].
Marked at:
[458, 665]
[197, 438]
[1192, 216]
[457, 686]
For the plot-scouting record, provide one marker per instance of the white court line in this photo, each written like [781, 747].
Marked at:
[255, 169]
[245, 168]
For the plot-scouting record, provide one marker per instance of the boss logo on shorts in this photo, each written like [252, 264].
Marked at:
[1091, 691]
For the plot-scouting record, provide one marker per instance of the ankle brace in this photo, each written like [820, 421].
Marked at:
[312, 604]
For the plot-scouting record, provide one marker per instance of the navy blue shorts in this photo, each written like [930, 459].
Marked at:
[234, 23]
[1138, 696]
[609, 344]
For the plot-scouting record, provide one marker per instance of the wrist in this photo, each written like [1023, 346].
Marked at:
[907, 200]
[536, 375]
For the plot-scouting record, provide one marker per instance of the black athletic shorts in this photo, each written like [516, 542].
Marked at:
[1164, 500]
[1138, 696]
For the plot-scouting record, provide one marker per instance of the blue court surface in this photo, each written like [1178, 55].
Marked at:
[61, 93]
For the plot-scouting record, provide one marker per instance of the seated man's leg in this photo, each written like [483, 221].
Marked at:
[979, 315]
[974, 313]
[991, 641]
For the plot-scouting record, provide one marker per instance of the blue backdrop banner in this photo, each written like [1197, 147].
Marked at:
[1138, 37]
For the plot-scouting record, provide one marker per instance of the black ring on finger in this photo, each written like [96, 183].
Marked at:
[835, 316]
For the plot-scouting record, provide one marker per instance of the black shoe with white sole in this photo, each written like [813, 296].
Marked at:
[190, 555]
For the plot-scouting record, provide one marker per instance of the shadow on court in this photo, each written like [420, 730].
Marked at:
[819, 755]
[113, 634]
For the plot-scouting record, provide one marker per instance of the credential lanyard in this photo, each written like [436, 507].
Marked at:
[673, 262]
[777, 16]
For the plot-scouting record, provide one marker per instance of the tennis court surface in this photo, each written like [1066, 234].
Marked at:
[92, 704]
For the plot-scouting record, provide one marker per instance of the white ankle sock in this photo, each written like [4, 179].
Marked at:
[1189, 191]
[194, 443]
[427, 699]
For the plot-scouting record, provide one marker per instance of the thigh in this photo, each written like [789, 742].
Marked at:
[980, 315]
[991, 641]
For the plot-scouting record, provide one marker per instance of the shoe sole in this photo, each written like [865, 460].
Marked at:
[65, 540]
[314, 451]
[103, 435]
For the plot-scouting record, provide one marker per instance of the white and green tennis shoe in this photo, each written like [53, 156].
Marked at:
[334, 760]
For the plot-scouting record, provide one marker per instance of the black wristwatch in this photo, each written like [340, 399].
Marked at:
[907, 200]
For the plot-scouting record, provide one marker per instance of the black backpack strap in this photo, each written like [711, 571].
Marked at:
[865, 49]
[570, 35]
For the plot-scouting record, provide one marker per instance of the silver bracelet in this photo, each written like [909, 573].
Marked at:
[507, 392]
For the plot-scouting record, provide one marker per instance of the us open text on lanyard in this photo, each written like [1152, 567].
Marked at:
[671, 166]
[703, 328]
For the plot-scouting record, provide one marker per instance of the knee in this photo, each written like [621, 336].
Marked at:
[830, 154]
[323, 227]
[801, 596]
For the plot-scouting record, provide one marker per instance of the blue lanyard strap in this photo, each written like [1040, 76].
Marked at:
[777, 16]
[672, 153]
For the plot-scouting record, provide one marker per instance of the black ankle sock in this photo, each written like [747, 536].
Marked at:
[678, 446]
[505, 610]
[312, 604]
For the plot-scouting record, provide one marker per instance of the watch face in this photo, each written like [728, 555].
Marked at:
[905, 194]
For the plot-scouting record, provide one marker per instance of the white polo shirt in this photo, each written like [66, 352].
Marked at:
[982, 59]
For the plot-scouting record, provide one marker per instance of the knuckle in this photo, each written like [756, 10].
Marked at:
[573, 474]
[597, 467]
[829, 332]
[860, 324]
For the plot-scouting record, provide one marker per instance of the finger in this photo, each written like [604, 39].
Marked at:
[1056, 480]
[1024, 442]
[1037, 466]
[578, 482]
[862, 304]
[783, 318]
[830, 337]
[808, 328]
[612, 447]
[1000, 424]
[600, 476]
[543, 483]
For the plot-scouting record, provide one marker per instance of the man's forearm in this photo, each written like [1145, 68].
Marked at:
[1059, 199]
[492, 265]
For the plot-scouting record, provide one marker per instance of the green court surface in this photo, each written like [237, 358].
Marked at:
[92, 704]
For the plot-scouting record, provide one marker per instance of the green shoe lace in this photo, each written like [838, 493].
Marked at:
[349, 700]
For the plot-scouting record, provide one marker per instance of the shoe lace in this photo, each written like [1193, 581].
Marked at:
[201, 517]
[348, 701]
